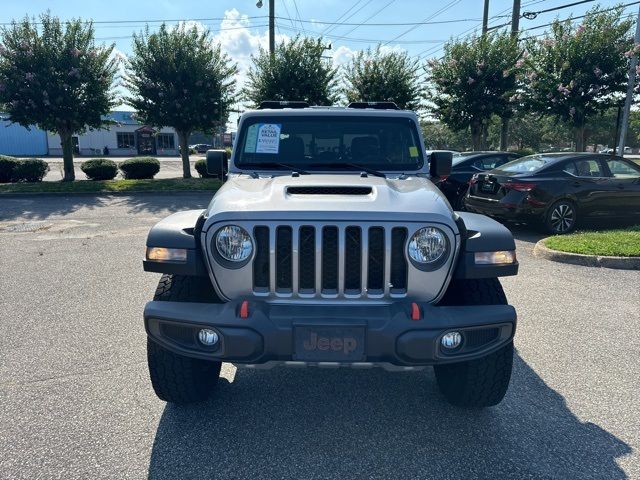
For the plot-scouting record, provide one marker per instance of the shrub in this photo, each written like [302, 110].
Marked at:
[100, 169]
[201, 168]
[138, 168]
[7, 165]
[29, 170]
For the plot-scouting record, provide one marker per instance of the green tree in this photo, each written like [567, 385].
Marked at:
[475, 79]
[55, 77]
[376, 76]
[438, 136]
[296, 71]
[575, 72]
[178, 78]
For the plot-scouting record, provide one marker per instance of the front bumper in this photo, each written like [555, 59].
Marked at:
[391, 337]
[514, 209]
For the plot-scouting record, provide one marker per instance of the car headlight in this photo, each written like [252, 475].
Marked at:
[428, 245]
[233, 243]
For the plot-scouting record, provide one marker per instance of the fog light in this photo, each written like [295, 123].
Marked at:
[207, 337]
[451, 340]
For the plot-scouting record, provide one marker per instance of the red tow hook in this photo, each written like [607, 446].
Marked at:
[416, 314]
[244, 309]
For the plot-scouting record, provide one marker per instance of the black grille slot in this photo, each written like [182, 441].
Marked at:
[178, 333]
[307, 260]
[330, 259]
[353, 260]
[479, 338]
[261, 260]
[375, 270]
[329, 190]
[284, 263]
[398, 261]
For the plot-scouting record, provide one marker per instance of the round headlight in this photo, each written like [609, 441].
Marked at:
[233, 243]
[427, 245]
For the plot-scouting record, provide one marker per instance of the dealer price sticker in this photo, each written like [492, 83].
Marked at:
[268, 138]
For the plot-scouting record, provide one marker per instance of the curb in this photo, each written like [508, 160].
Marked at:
[622, 263]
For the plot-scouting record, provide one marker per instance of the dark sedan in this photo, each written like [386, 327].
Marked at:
[558, 190]
[464, 166]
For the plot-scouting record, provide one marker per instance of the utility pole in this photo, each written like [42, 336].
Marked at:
[632, 80]
[504, 126]
[272, 26]
[485, 17]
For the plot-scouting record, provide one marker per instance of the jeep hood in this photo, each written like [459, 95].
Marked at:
[389, 198]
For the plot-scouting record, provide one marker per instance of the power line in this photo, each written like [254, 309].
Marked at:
[528, 16]
[368, 40]
[370, 17]
[333, 27]
[435, 14]
[295, 4]
[176, 20]
[387, 24]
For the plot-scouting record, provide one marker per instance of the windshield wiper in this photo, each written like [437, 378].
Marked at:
[293, 168]
[354, 166]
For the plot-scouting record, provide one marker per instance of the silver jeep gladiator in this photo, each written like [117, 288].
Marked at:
[328, 245]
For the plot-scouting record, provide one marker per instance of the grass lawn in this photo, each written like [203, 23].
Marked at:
[619, 243]
[160, 185]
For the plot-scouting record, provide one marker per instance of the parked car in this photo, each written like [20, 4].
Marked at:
[328, 245]
[464, 166]
[201, 147]
[558, 190]
[626, 150]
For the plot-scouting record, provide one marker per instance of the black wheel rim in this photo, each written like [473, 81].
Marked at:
[562, 218]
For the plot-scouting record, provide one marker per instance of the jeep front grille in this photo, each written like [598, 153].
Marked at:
[330, 260]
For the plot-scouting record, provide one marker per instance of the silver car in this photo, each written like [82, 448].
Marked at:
[328, 245]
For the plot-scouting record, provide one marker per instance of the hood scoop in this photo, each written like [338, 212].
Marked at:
[329, 190]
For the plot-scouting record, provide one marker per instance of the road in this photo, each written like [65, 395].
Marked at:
[77, 403]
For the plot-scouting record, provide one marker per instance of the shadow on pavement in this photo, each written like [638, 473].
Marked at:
[44, 206]
[315, 423]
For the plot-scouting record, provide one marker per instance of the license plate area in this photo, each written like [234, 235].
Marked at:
[329, 343]
[487, 187]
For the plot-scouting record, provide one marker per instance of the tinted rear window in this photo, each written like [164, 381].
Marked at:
[532, 163]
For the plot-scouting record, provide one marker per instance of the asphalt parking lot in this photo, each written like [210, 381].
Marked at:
[76, 400]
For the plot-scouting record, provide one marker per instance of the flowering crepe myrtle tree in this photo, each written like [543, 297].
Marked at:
[475, 79]
[390, 76]
[295, 71]
[178, 78]
[578, 71]
[54, 76]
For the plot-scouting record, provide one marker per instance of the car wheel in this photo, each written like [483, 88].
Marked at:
[562, 217]
[176, 378]
[460, 203]
[483, 382]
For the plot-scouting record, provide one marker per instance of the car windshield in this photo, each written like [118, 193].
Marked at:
[329, 142]
[532, 163]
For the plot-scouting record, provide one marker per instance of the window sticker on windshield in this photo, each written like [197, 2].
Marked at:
[252, 137]
[268, 138]
[413, 151]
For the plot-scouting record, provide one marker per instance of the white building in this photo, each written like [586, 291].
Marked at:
[125, 137]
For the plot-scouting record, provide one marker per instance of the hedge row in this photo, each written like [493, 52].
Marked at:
[34, 169]
[28, 170]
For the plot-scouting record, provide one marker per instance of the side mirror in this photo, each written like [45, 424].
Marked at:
[440, 164]
[217, 163]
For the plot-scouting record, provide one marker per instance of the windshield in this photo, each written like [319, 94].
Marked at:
[329, 142]
[531, 163]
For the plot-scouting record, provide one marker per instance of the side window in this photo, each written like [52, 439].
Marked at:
[570, 167]
[588, 168]
[488, 163]
[623, 169]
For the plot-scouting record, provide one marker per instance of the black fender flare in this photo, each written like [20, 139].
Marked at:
[480, 233]
[181, 230]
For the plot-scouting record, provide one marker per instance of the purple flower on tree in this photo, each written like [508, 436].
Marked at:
[470, 80]
[597, 72]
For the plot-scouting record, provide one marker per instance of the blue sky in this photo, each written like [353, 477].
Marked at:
[241, 27]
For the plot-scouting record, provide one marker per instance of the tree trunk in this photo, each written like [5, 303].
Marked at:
[184, 153]
[476, 135]
[580, 138]
[504, 134]
[67, 156]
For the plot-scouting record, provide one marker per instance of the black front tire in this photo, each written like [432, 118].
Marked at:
[176, 378]
[483, 382]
